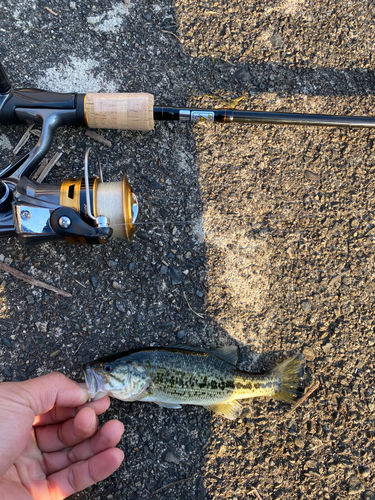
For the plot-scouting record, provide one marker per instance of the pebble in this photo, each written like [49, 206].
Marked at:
[187, 255]
[6, 342]
[199, 293]
[335, 281]
[8, 372]
[364, 471]
[270, 436]
[171, 457]
[309, 354]
[299, 443]
[327, 347]
[54, 353]
[312, 176]
[112, 263]
[120, 306]
[306, 306]
[163, 270]
[156, 185]
[95, 281]
[311, 464]
[181, 334]
[355, 486]
[176, 276]
[117, 286]
[131, 266]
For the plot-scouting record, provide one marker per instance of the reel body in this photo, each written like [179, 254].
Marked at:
[85, 210]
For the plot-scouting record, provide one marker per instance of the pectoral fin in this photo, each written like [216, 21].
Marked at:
[231, 410]
[172, 406]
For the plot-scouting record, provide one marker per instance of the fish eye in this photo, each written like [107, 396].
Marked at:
[107, 367]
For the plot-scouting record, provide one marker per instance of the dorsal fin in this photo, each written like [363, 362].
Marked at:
[228, 353]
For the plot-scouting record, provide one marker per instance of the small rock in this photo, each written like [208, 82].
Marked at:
[120, 306]
[335, 281]
[327, 347]
[181, 334]
[176, 276]
[95, 281]
[54, 353]
[187, 255]
[8, 372]
[364, 471]
[276, 40]
[299, 443]
[156, 185]
[117, 286]
[309, 354]
[290, 251]
[311, 464]
[355, 486]
[30, 299]
[312, 176]
[306, 306]
[112, 263]
[199, 293]
[270, 436]
[163, 270]
[131, 266]
[6, 342]
[171, 457]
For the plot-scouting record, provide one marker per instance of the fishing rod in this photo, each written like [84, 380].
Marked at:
[88, 210]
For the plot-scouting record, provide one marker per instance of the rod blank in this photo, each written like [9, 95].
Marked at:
[234, 116]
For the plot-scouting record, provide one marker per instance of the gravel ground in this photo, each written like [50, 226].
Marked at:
[267, 232]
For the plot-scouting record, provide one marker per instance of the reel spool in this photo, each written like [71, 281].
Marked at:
[85, 210]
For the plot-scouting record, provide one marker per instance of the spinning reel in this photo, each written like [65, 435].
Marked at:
[85, 210]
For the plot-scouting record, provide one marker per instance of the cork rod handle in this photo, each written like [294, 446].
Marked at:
[120, 111]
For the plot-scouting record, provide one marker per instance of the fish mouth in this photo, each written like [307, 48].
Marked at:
[95, 384]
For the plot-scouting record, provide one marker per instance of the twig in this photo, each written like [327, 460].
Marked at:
[98, 138]
[171, 33]
[257, 494]
[191, 309]
[32, 281]
[79, 283]
[23, 140]
[313, 387]
[78, 348]
[170, 484]
[44, 169]
[51, 11]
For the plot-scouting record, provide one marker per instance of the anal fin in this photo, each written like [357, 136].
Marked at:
[230, 410]
[172, 406]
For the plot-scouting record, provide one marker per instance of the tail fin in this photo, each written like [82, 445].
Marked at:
[291, 372]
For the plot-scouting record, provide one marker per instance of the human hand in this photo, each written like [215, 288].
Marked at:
[50, 445]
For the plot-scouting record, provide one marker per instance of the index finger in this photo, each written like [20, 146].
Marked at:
[41, 394]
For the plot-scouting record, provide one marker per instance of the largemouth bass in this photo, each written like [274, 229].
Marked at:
[177, 375]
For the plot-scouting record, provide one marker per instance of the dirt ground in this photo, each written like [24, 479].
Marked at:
[257, 235]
